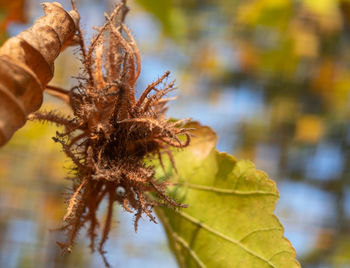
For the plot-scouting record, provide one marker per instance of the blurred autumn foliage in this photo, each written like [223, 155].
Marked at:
[277, 74]
[11, 11]
[273, 79]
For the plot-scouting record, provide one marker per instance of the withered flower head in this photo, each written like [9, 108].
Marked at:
[112, 132]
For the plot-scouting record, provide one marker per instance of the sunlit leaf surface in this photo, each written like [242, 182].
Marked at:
[229, 221]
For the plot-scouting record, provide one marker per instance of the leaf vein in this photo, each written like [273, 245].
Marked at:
[227, 191]
[181, 241]
[169, 228]
[225, 237]
[193, 254]
[279, 252]
[260, 230]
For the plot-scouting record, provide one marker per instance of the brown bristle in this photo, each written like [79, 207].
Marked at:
[111, 133]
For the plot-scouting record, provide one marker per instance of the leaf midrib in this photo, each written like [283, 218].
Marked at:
[223, 236]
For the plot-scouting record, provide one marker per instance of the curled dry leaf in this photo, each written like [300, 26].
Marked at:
[27, 65]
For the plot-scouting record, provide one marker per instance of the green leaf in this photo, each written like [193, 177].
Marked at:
[229, 221]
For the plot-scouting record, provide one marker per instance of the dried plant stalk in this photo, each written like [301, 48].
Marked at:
[27, 65]
[112, 132]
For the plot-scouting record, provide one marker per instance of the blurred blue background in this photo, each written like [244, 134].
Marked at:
[271, 77]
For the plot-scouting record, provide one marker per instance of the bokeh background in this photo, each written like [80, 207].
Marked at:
[271, 77]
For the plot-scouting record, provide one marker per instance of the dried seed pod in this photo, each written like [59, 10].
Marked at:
[111, 132]
[27, 65]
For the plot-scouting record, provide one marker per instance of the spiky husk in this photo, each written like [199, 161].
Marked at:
[111, 132]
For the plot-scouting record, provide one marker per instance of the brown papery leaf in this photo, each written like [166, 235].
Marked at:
[27, 65]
